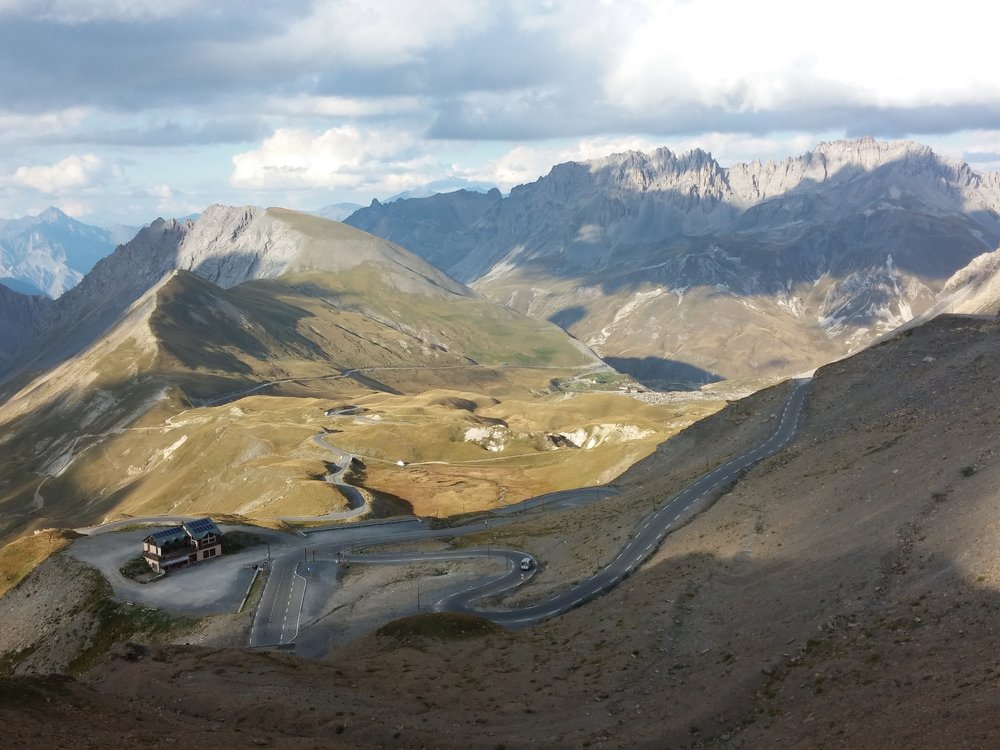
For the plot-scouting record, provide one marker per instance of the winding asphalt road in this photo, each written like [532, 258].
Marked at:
[648, 535]
[277, 619]
[356, 500]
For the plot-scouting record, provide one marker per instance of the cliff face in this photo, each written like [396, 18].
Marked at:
[655, 256]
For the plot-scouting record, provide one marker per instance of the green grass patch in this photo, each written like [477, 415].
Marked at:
[441, 626]
[23, 555]
[10, 659]
[26, 692]
[237, 541]
[137, 569]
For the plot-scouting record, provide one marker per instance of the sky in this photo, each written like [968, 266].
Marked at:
[119, 111]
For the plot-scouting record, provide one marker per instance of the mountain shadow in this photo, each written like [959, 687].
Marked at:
[566, 317]
[663, 374]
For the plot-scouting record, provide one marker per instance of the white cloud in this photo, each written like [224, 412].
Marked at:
[771, 55]
[353, 93]
[73, 172]
[341, 157]
[342, 106]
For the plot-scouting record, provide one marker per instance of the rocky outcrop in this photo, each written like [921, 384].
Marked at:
[973, 290]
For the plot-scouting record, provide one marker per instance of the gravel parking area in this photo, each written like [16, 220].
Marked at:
[209, 587]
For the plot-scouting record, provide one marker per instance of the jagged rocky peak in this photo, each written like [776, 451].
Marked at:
[827, 248]
[698, 172]
[660, 170]
[838, 162]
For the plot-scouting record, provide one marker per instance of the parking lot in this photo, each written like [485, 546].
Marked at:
[208, 587]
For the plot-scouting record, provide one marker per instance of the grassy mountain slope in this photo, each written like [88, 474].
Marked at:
[100, 435]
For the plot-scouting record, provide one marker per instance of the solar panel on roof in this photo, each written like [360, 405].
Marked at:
[201, 526]
[167, 533]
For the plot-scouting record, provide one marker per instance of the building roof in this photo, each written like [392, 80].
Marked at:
[201, 527]
[197, 529]
[168, 536]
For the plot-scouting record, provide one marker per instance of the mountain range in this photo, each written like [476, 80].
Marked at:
[680, 271]
[675, 269]
[49, 253]
[838, 593]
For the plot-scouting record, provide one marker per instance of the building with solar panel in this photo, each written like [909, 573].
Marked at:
[182, 545]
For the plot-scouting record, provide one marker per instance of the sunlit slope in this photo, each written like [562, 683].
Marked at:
[94, 429]
[463, 452]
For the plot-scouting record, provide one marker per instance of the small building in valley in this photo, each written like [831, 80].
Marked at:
[182, 545]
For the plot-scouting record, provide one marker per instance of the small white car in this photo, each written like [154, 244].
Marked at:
[526, 563]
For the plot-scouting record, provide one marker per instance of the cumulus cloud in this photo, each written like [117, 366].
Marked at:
[70, 173]
[344, 157]
[764, 58]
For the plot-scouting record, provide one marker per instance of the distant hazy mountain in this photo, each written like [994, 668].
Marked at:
[336, 211]
[121, 233]
[50, 253]
[677, 269]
